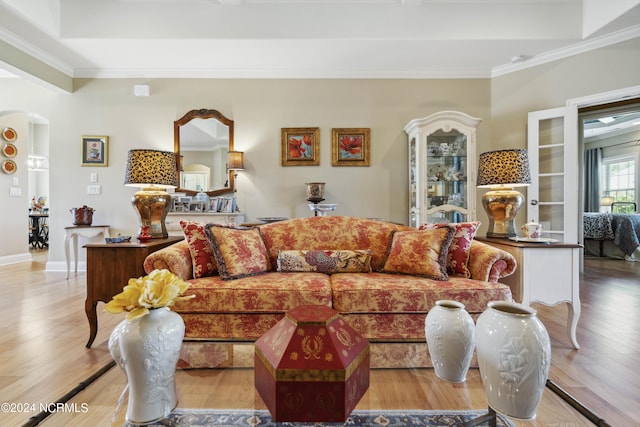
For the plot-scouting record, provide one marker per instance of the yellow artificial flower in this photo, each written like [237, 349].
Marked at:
[160, 288]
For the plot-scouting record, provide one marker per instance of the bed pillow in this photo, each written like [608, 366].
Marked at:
[238, 252]
[325, 261]
[458, 253]
[202, 258]
[419, 253]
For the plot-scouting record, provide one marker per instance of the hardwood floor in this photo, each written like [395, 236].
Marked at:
[43, 358]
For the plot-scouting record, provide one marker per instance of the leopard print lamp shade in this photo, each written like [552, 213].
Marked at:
[153, 171]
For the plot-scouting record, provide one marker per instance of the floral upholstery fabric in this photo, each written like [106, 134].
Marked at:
[175, 258]
[422, 253]
[327, 262]
[330, 233]
[204, 262]
[272, 292]
[228, 326]
[458, 253]
[239, 253]
[383, 307]
[488, 264]
[399, 293]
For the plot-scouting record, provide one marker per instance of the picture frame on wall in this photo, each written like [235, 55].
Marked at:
[95, 150]
[350, 146]
[300, 146]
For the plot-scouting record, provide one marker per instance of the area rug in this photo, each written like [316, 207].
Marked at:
[262, 418]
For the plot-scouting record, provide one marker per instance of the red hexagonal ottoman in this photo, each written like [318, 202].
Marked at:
[311, 366]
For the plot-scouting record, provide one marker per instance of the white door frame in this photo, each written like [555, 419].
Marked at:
[589, 101]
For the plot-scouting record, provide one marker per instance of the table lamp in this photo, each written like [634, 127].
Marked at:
[607, 201]
[153, 171]
[235, 163]
[500, 171]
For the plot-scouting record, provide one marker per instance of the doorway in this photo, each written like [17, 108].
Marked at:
[610, 141]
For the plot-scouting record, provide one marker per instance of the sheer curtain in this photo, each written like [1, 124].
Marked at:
[592, 163]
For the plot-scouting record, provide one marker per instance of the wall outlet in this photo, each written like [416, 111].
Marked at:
[16, 181]
[93, 177]
[15, 192]
[94, 189]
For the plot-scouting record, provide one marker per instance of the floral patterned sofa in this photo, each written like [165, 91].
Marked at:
[381, 277]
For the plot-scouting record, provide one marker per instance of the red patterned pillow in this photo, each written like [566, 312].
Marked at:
[204, 263]
[420, 253]
[458, 254]
[238, 252]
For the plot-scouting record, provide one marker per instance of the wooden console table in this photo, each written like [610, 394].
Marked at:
[109, 268]
[547, 273]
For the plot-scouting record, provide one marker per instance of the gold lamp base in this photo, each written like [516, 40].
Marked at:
[502, 205]
[152, 205]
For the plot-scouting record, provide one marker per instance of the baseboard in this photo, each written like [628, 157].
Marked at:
[16, 258]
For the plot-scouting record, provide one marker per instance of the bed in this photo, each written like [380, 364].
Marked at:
[612, 235]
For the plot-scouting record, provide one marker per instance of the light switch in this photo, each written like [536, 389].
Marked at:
[16, 181]
[94, 177]
[94, 189]
[15, 192]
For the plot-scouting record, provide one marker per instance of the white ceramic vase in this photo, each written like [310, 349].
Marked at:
[514, 355]
[147, 349]
[450, 331]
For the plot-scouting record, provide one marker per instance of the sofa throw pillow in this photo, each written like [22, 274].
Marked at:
[202, 258]
[458, 254]
[419, 253]
[238, 252]
[325, 261]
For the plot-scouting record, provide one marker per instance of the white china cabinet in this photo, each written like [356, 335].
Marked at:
[442, 175]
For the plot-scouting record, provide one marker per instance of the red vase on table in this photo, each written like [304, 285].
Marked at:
[144, 234]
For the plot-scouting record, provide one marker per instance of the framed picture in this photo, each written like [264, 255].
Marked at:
[350, 146]
[95, 151]
[300, 146]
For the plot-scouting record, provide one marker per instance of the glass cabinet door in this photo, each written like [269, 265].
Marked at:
[446, 180]
[442, 168]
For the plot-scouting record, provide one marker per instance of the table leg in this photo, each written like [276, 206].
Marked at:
[573, 314]
[74, 238]
[90, 309]
[67, 237]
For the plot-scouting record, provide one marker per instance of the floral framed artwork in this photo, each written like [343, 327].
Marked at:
[95, 150]
[300, 146]
[350, 146]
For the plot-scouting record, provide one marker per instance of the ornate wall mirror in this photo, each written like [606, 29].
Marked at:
[202, 139]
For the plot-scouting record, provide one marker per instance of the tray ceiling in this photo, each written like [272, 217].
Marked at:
[305, 38]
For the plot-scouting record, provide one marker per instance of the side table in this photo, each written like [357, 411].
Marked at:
[109, 268]
[547, 273]
[71, 234]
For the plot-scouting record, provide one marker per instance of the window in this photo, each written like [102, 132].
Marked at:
[619, 180]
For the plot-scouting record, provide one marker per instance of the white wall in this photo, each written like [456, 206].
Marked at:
[14, 225]
[552, 85]
[260, 108]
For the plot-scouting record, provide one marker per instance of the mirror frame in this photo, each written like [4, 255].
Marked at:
[202, 114]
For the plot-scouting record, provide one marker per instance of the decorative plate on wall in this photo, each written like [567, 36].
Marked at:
[9, 150]
[9, 134]
[9, 166]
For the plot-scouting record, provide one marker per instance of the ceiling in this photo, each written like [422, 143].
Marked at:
[148, 39]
